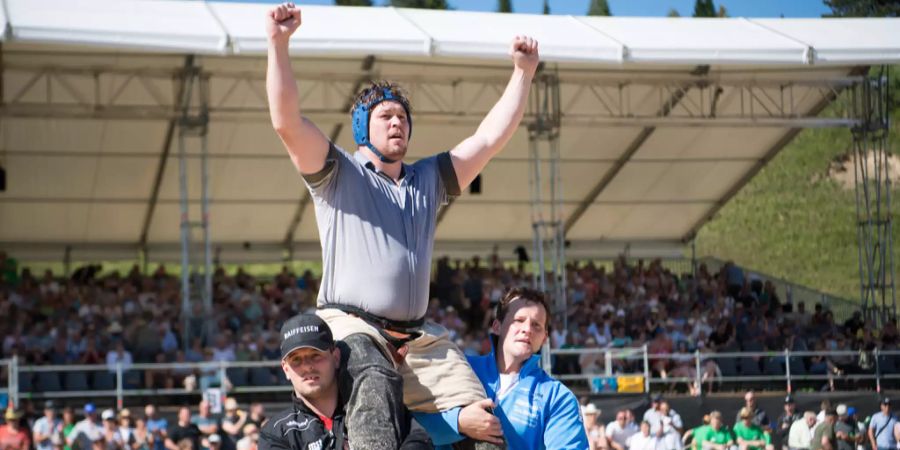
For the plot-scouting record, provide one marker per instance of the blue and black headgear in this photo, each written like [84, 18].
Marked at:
[362, 112]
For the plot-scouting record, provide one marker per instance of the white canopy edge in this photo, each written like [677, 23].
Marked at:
[237, 28]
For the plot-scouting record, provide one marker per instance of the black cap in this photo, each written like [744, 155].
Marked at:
[886, 401]
[49, 404]
[788, 399]
[305, 330]
[656, 398]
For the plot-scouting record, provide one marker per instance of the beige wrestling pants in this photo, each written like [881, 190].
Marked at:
[436, 375]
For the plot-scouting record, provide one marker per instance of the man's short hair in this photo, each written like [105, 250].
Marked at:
[374, 92]
[522, 293]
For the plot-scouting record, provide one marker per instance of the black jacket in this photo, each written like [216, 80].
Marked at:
[298, 428]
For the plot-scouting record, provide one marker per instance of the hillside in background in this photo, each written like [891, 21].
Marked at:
[794, 220]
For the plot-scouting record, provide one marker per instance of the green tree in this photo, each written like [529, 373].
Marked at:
[353, 2]
[673, 13]
[420, 4]
[546, 7]
[504, 6]
[599, 8]
[722, 12]
[704, 8]
[864, 8]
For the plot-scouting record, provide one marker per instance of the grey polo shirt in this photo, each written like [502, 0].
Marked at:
[377, 235]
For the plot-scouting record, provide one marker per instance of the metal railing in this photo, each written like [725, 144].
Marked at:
[783, 368]
[786, 369]
[121, 381]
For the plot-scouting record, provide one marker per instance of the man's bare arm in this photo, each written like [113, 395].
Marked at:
[305, 143]
[472, 154]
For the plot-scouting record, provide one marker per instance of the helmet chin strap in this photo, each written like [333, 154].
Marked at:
[380, 155]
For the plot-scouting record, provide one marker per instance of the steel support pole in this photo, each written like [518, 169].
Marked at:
[204, 180]
[698, 378]
[185, 242]
[646, 369]
[14, 381]
[787, 369]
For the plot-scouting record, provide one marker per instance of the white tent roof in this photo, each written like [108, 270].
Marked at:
[663, 120]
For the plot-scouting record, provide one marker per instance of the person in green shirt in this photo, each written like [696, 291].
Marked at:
[825, 438]
[693, 435]
[749, 435]
[68, 424]
[717, 436]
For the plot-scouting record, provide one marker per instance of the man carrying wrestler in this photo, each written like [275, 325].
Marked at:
[376, 218]
[310, 360]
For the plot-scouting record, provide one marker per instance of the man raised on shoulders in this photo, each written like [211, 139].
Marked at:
[376, 218]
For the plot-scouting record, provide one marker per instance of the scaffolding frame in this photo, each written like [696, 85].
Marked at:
[869, 104]
[549, 245]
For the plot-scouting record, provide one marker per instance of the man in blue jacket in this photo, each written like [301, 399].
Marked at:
[535, 410]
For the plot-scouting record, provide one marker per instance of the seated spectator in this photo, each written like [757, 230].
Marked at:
[204, 420]
[801, 434]
[143, 439]
[257, 414]
[46, 428]
[715, 437]
[758, 417]
[750, 436]
[233, 421]
[183, 431]
[156, 426]
[691, 436]
[12, 435]
[87, 431]
[620, 430]
[644, 440]
[214, 442]
[118, 356]
[596, 431]
[824, 436]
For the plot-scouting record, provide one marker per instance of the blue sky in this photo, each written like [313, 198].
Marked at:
[736, 8]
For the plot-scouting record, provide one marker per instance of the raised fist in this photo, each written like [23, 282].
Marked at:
[524, 53]
[282, 21]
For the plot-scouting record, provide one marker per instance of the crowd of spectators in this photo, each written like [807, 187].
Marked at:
[662, 428]
[57, 428]
[118, 320]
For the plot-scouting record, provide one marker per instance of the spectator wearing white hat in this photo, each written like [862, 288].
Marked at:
[111, 437]
[214, 442]
[596, 431]
[848, 436]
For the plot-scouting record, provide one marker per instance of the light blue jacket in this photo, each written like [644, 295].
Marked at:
[538, 412]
